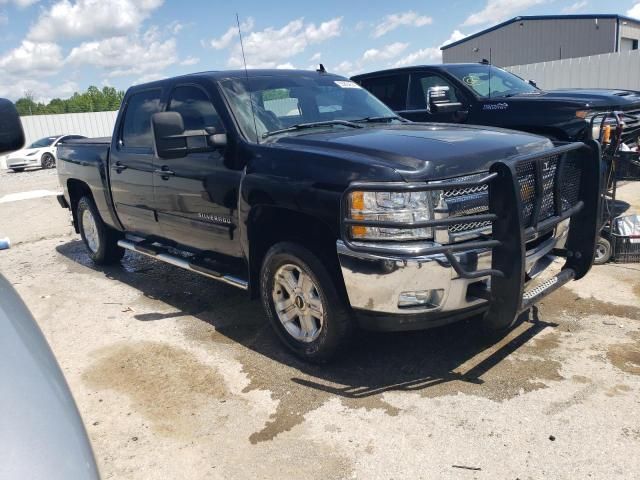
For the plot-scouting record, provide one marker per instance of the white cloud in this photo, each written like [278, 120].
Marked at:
[91, 18]
[231, 34]
[634, 11]
[455, 36]
[32, 59]
[285, 66]
[344, 68]
[429, 54]
[271, 47]
[498, 10]
[315, 57]
[385, 53]
[140, 54]
[41, 90]
[575, 7]
[19, 3]
[190, 61]
[395, 20]
[4, 20]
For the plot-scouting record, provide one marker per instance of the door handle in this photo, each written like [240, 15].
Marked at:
[120, 167]
[164, 172]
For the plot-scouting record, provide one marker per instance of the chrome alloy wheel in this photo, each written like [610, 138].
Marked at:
[90, 230]
[601, 251]
[298, 304]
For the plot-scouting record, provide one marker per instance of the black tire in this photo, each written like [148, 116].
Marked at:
[103, 249]
[337, 325]
[48, 161]
[18, 170]
[603, 251]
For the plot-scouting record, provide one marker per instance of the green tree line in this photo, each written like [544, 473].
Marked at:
[93, 100]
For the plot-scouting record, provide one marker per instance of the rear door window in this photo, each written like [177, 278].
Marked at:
[136, 129]
[391, 90]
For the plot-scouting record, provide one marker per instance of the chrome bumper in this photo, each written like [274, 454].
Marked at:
[375, 282]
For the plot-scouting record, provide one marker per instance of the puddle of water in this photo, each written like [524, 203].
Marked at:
[433, 364]
[168, 385]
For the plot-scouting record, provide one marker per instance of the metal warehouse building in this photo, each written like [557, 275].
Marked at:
[531, 39]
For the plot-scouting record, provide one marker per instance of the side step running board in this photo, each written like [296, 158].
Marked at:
[183, 263]
[530, 297]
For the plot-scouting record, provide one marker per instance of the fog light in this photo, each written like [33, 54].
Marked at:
[421, 298]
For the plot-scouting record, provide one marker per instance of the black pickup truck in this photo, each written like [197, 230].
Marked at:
[482, 94]
[309, 192]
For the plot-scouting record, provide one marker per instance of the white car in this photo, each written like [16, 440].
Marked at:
[41, 153]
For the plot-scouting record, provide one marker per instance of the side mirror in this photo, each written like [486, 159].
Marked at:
[11, 133]
[171, 140]
[532, 83]
[438, 101]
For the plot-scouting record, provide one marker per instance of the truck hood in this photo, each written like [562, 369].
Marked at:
[420, 151]
[587, 98]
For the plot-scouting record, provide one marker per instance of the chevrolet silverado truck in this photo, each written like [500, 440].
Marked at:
[307, 191]
[482, 94]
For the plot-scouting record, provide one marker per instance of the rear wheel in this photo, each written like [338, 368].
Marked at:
[48, 161]
[303, 304]
[100, 239]
[603, 251]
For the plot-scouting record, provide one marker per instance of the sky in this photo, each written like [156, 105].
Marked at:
[52, 48]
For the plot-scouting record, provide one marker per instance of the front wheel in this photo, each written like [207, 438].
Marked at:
[303, 304]
[100, 239]
[48, 161]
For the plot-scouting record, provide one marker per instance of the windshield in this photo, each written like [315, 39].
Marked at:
[490, 82]
[282, 102]
[43, 142]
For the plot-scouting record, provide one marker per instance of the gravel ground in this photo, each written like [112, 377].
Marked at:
[177, 376]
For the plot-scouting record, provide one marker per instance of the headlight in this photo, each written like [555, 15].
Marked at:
[403, 207]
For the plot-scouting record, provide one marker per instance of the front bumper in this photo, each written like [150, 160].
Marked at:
[23, 162]
[375, 283]
[447, 282]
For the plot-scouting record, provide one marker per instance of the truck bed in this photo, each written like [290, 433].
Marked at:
[86, 162]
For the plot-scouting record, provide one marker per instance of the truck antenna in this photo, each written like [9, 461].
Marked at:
[246, 72]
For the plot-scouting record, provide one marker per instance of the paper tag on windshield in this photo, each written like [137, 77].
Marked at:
[346, 84]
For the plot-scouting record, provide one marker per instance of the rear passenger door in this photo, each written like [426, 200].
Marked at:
[197, 195]
[131, 164]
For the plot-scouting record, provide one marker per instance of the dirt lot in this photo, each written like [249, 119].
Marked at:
[177, 376]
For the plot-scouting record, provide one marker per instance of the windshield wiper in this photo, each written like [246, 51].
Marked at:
[302, 126]
[380, 119]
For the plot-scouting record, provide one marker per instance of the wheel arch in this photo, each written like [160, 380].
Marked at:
[268, 225]
[77, 189]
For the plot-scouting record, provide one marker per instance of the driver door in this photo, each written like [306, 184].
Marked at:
[197, 195]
